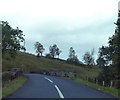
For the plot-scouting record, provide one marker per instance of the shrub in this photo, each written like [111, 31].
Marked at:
[6, 77]
[116, 83]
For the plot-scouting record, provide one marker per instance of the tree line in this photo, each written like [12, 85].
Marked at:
[54, 51]
[109, 57]
[12, 39]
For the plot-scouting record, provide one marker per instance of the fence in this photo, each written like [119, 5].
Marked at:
[111, 83]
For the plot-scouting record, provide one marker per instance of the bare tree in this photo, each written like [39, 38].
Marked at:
[71, 52]
[72, 56]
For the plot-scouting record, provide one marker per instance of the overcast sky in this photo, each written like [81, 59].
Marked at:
[82, 24]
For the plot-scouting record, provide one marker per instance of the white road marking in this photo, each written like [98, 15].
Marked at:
[59, 92]
[48, 79]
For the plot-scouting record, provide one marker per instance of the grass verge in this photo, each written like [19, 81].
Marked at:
[13, 85]
[113, 91]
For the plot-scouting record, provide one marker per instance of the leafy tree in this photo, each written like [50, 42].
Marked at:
[101, 62]
[88, 58]
[11, 39]
[58, 51]
[105, 56]
[114, 42]
[111, 56]
[39, 48]
[54, 50]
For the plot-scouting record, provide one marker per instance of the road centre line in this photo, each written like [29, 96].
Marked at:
[48, 79]
[59, 92]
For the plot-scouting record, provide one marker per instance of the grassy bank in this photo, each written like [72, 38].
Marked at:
[13, 85]
[30, 62]
[113, 91]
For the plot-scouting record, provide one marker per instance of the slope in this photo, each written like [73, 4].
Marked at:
[29, 62]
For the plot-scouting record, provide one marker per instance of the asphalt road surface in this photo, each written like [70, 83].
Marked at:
[42, 86]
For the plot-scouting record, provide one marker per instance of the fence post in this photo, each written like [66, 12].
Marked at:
[111, 83]
[103, 83]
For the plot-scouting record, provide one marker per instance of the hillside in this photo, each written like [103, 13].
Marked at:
[30, 62]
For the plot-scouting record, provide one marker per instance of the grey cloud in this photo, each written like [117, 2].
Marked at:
[82, 39]
[65, 33]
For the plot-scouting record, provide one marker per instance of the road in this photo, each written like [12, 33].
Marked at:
[42, 86]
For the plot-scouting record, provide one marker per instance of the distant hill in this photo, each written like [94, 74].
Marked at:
[29, 62]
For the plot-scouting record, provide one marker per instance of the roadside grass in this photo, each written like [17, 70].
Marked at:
[13, 85]
[113, 91]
